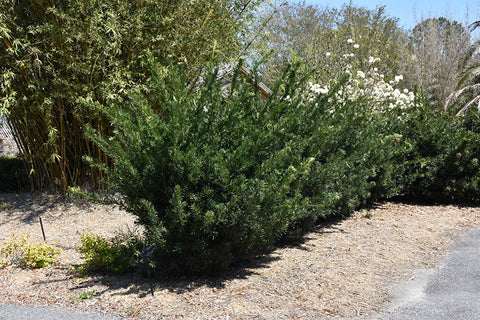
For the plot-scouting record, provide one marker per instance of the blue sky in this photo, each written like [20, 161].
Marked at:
[411, 12]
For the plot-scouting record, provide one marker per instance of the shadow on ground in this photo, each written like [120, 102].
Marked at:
[139, 284]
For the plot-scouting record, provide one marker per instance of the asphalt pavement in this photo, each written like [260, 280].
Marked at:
[16, 312]
[449, 292]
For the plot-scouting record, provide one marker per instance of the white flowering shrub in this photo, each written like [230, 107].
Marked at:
[364, 82]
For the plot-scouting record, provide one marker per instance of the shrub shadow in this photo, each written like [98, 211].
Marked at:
[27, 207]
[138, 283]
[410, 200]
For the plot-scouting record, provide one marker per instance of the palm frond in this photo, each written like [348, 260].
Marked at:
[474, 25]
[471, 72]
[467, 56]
[464, 110]
[457, 93]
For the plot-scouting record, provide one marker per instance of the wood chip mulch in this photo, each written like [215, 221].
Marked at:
[346, 268]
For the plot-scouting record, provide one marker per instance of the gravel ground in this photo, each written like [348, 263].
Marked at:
[346, 268]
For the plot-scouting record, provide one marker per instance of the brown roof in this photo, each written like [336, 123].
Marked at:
[265, 91]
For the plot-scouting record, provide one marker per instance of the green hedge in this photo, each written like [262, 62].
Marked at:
[216, 177]
[443, 165]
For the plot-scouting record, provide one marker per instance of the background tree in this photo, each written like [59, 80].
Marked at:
[288, 29]
[314, 35]
[439, 49]
[57, 54]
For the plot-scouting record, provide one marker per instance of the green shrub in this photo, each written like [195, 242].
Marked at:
[13, 176]
[212, 179]
[118, 255]
[85, 295]
[216, 177]
[443, 163]
[20, 251]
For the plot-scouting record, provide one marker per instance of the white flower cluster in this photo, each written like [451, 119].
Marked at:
[317, 89]
[369, 84]
[372, 60]
[385, 94]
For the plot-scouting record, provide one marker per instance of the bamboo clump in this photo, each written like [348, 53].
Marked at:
[58, 57]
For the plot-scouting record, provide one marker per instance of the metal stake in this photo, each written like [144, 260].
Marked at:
[150, 278]
[146, 253]
[43, 231]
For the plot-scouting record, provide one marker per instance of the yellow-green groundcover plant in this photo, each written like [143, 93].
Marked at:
[20, 251]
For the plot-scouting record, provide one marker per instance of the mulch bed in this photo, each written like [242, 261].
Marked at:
[345, 268]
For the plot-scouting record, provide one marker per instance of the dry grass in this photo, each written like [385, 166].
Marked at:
[346, 268]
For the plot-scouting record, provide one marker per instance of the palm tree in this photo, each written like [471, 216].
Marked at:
[467, 92]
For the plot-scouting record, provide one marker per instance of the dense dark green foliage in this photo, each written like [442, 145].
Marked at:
[216, 177]
[13, 176]
[213, 179]
[357, 161]
[443, 163]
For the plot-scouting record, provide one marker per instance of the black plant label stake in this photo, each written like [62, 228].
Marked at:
[43, 231]
[146, 254]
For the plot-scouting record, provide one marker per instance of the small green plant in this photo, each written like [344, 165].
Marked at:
[367, 215]
[20, 251]
[85, 295]
[118, 255]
